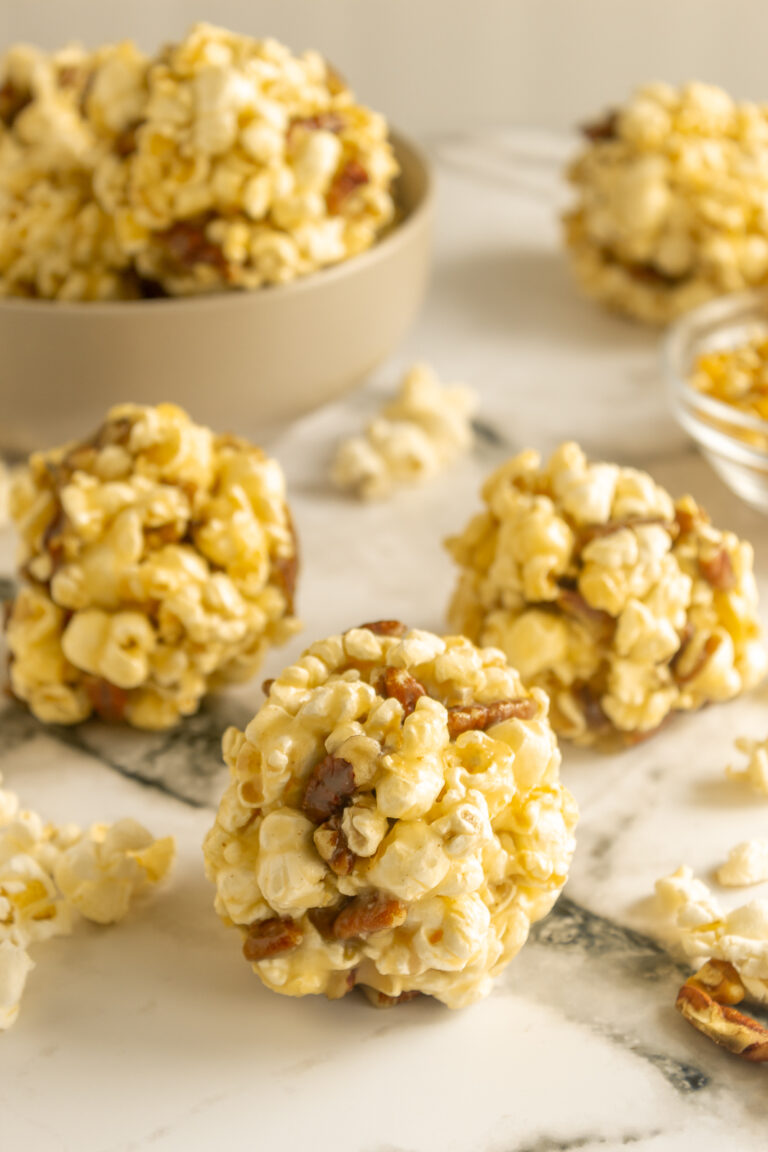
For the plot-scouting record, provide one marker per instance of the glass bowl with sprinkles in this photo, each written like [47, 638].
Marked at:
[716, 366]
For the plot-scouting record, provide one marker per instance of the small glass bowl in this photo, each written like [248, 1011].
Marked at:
[734, 442]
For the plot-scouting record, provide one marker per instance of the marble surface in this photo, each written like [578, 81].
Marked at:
[155, 1035]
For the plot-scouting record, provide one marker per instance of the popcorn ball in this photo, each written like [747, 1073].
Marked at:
[624, 605]
[159, 561]
[671, 201]
[50, 875]
[418, 434]
[394, 819]
[248, 166]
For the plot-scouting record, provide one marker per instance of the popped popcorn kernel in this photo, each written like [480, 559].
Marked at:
[159, 561]
[624, 605]
[756, 771]
[411, 829]
[422, 431]
[670, 201]
[51, 874]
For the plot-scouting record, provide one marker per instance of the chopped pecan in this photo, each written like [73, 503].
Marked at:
[126, 142]
[717, 570]
[13, 100]
[381, 1000]
[646, 273]
[574, 604]
[331, 843]
[187, 245]
[688, 516]
[322, 121]
[286, 568]
[710, 646]
[603, 129]
[53, 538]
[329, 787]
[592, 532]
[351, 177]
[271, 938]
[266, 686]
[368, 914]
[108, 701]
[386, 628]
[323, 920]
[705, 1001]
[396, 683]
[469, 717]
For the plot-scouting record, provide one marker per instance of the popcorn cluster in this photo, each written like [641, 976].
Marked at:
[672, 201]
[394, 819]
[223, 162]
[159, 561]
[49, 875]
[423, 430]
[624, 605]
[737, 376]
[704, 932]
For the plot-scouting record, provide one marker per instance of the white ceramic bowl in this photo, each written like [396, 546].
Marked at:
[240, 362]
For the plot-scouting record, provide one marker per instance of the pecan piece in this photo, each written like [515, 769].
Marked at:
[126, 142]
[592, 532]
[398, 684]
[368, 914]
[351, 176]
[331, 843]
[382, 1000]
[107, 700]
[603, 129]
[322, 121]
[270, 938]
[386, 628]
[718, 571]
[13, 100]
[187, 245]
[329, 787]
[574, 604]
[469, 717]
[705, 1001]
[711, 644]
[266, 686]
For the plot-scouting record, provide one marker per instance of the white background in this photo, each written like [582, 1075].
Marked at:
[438, 65]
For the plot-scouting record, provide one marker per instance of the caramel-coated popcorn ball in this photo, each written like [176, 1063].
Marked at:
[159, 561]
[623, 604]
[249, 166]
[50, 875]
[394, 819]
[672, 201]
[222, 162]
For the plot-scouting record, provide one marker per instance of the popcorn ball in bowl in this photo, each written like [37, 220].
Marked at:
[394, 819]
[671, 201]
[624, 605]
[158, 562]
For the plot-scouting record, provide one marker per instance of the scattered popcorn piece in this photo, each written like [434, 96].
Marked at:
[747, 863]
[624, 605]
[159, 561]
[394, 819]
[756, 772]
[423, 430]
[671, 190]
[48, 874]
[702, 931]
[221, 163]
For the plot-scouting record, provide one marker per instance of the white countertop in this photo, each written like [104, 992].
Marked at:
[156, 1035]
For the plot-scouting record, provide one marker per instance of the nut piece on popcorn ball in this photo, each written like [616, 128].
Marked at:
[670, 192]
[624, 605]
[158, 562]
[394, 819]
[248, 166]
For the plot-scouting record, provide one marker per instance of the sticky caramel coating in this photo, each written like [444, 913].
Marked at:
[158, 562]
[624, 605]
[394, 819]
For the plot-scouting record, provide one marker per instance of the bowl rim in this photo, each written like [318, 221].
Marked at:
[393, 238]
[673, 352]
